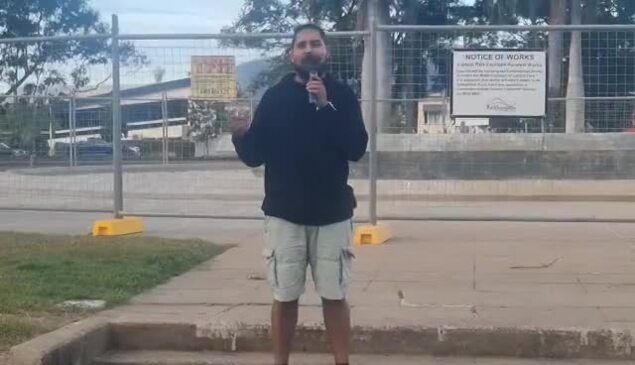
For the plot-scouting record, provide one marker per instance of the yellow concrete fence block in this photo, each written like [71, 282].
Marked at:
[118, 227]
[372, 235]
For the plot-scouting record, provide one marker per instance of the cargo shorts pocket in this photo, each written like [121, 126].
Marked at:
[272, 266]
[346, 263]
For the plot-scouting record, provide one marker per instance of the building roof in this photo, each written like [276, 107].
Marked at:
[174, 89]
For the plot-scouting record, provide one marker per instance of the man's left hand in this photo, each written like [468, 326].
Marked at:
[316, 87]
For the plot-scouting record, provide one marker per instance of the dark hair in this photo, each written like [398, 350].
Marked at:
[308, 26]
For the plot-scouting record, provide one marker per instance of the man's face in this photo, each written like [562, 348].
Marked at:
[308, 49]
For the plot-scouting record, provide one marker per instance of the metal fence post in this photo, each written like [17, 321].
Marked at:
[372, 163]
[164, 114]
[71, 130]
[116, 121]
[543, 127]
[75, 155]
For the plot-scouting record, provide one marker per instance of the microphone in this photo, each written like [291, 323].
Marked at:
[313, 74]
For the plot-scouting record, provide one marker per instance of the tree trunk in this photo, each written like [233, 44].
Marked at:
[364, 18]
[557, 16]
[384, 70]
[575, 121]
[408, 92]
[377, 9]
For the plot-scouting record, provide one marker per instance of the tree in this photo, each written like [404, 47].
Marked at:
[422, 60]
[410, 68]
[575, 119]
[609, 64]
[206, 120]
[21, 62]
[54, 67]
[20, 123]
[376, 11]
[397, 76]
[578, 66]
[276, 16]
[412, 65]
[598, 65]
[557, 16]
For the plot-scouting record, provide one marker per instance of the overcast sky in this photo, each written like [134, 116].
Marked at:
[170, 16]
[173, 16]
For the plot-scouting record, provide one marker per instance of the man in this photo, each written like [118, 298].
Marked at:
[305, 131]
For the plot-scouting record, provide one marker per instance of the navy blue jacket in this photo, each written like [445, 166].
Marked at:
[305, 151]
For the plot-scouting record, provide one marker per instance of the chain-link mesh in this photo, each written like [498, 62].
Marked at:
[163, 111]
[422, 61]
[57, 134]
[176, 147]
[42, 152]
[49, 126]
[432, 164]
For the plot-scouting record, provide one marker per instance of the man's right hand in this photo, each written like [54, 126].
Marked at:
[239, 126]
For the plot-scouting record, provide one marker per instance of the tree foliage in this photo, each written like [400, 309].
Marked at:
[49, 68]
[421, 61]
[36, 67]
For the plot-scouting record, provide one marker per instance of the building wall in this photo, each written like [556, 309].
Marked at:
[490, 156]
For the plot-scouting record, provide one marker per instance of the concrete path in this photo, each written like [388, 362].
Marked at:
[527, 289]
[453, 274]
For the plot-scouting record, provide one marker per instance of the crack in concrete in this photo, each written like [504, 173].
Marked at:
[582, 285]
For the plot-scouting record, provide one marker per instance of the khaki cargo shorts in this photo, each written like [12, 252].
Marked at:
[291, 248]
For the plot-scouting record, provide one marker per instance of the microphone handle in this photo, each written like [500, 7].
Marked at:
[312, 98]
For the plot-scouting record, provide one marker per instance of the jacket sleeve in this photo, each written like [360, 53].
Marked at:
[347, 128]
[251, 146]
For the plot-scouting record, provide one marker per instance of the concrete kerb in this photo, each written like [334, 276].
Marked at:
[437, 341]
[77, 343]
[83, 341]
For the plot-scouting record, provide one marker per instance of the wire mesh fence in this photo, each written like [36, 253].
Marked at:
[40, 149]
[178, 94]
[198, 87]
[422, 60]
[432, 163]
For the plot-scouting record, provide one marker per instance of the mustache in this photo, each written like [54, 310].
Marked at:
[311, 62]
[312, 59]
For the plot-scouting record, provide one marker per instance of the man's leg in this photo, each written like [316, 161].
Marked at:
[338, 328]
[286, 254]
[284, 318]
[330, 255]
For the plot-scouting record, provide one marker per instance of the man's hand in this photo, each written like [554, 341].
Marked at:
[316, 87]
[239, 126]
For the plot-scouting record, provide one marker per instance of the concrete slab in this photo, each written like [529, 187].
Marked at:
[211, 358]
[77, 343]
[467, 288]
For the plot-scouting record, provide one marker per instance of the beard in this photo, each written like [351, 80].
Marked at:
[308, 65]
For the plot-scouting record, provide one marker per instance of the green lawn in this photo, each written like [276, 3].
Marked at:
[37, 272]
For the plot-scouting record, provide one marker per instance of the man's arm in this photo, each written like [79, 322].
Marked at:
[348, 131]
[250, 140]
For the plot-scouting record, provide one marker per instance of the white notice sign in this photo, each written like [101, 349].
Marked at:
[495, 83]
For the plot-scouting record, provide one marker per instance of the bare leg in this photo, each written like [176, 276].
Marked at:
[284, 318]
[338, 328]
